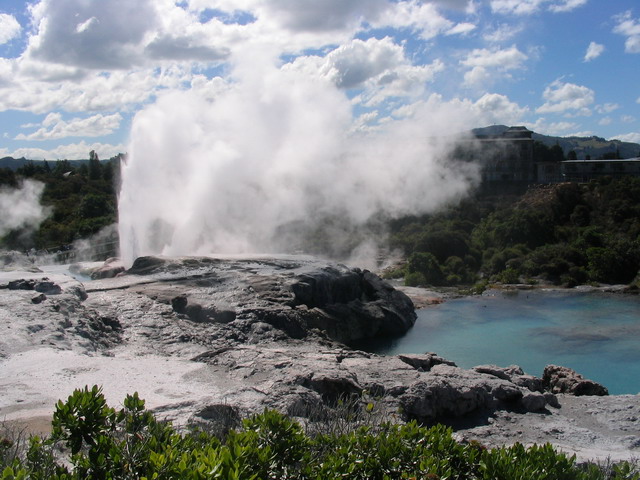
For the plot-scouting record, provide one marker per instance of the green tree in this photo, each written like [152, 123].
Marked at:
[426, 264]
[95, 168]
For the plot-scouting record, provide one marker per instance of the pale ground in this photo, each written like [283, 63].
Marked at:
[32, 382]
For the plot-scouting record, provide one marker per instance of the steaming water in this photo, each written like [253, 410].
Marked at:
[598, 335]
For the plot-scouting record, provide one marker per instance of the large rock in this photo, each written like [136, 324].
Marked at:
[448, 391]
[297, 296]
[559, 379]
[352, 305]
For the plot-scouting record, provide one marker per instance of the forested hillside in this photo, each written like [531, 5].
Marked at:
[567, 234]
[80, 201]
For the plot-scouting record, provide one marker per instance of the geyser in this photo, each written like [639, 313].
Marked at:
[256, 167]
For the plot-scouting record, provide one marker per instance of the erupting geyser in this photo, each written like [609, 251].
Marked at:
[248, 168]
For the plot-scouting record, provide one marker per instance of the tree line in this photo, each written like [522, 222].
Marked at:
[566, 234]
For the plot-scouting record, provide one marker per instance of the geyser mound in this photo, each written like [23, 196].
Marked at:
[272, 161]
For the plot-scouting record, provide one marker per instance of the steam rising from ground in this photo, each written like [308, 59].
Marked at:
[274, 158]
[21, 209]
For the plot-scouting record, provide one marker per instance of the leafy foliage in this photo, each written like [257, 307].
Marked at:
[567, 234]
[104, 443]
[82, 199]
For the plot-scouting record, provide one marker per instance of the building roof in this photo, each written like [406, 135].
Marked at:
[611, 160]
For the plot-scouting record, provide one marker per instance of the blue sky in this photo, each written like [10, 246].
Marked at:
[74, 73]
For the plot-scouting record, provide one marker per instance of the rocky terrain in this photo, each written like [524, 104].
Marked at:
[200, 336]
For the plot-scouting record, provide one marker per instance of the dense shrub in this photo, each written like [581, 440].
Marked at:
[91, 440]
[568, 234]
[426, 265]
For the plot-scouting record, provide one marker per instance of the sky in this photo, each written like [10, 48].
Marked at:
[75, 73]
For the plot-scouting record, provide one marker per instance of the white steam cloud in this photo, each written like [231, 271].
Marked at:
[20, 207]
[270, 158]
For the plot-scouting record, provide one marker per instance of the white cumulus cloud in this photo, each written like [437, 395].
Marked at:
[483, 63]
[423, 18]
[91, 34]
[98, 91]
[630, 28]
[354, 63]
[562, 97]
[72, 151]
[633, 137]
[501, 33]
[9, 28]
[497, 108]
[594, 50]
[378, 67]
[607, 107]
[53, 127]
[526, 7]
[541, 125]
[567, 5]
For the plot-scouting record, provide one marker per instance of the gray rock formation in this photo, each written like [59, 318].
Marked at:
[250, 334]
[294, 296]
[559, 379]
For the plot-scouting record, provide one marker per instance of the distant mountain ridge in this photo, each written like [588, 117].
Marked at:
[593, 146]
[15, 163]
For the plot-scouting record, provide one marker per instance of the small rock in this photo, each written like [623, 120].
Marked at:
[179, 303]
[39, 298]
[424, 362]
[22, 284]
[50, 288]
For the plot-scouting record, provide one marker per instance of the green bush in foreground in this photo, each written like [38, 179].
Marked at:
[91, 440]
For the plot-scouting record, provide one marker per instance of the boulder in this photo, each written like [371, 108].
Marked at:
[22, 284]
[351, 305]
[217, 419]
[448, 391]
[559, 379]
[47, 287]
[111, 268]
[534, 402]
[333, 386]
[38, 298]
[551, 399]
[429, 401]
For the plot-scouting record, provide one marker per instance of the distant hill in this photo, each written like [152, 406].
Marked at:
[15, 163]
[12, 163]
[594, 146]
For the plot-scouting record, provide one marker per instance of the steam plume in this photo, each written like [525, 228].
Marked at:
[21, 209]
[270, 157]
